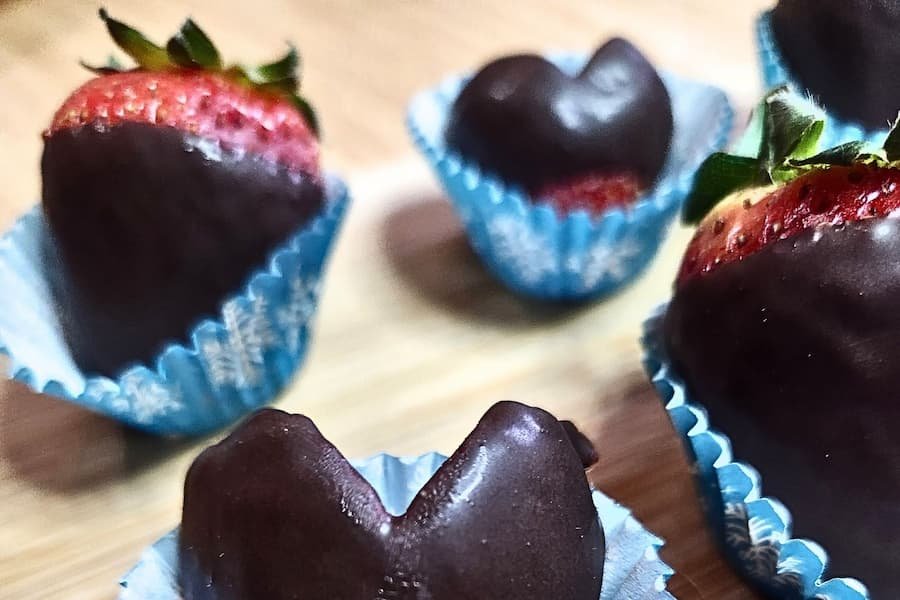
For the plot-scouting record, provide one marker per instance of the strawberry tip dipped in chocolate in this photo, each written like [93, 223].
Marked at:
[784, 327]
[275, 511]
[165, 185]
[592, 141]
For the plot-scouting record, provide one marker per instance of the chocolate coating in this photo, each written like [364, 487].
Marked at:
[151, 232]
[846, 53]
[583, 446]
[275, 511]
[794, 352]
[525, 120]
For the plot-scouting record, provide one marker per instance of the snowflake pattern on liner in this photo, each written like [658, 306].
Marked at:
[303, 297]
[147, 399]
[605, 261]
[759, 548]
[517, 244]
[531, 254]
[237, 360]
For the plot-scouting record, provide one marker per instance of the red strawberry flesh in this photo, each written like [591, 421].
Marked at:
[741, 225]
[205, 104]
[594, 193]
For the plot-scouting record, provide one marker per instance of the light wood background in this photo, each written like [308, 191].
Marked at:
[414, 340]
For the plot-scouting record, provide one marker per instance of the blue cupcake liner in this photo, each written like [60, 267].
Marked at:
[754, 531]
[231, 366]
[528, 246]
[776, 73]
[633, 569]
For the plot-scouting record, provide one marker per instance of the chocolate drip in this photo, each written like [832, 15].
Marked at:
[583, 446]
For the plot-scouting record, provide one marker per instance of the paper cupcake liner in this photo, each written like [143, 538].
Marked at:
[528, 246]
[231, 365]
[755, 531]
[776, 73]
[633, 569]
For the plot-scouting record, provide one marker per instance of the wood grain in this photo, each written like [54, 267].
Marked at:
[414, 340]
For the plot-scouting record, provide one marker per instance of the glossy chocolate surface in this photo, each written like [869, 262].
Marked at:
[846, 53]
[152, 231]
[275, 511]
[583, 446]
[795, 352]
[525, 120]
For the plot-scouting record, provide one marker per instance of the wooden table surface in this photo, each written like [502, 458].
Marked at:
[414, 340]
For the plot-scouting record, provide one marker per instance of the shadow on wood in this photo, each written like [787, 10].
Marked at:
[61, 447]
[427, 246]
[643, 466]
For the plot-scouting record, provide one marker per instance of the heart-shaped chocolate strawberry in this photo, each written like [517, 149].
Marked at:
[522, 118]
[276, 512]
[846, 53]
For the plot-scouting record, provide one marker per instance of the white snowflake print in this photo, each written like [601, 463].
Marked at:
[758, 548]
[792, 564]
[303, 297]
[761, 531]
[606, 261]
[147, 399]
[238, 359]
[516, 243]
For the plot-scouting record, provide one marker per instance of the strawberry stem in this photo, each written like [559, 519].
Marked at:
[781, 140]
[892, 143]
[144, 52]
[191, 48]
[793, 127]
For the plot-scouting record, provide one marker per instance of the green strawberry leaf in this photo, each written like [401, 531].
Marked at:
[718, 176]
[808, 141]
[892, 143]
[98, 70]
[192, 48]
[282, 70]
[144, 52]
[792, 127]
[112, 66]
[308, 113]
[781, 143]
[282, 75]
[839, 156]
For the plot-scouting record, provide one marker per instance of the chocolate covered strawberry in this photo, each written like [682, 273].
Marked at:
[165, 185]
[275, 512]
[590, 141]
[784, 325]
[749, 220]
